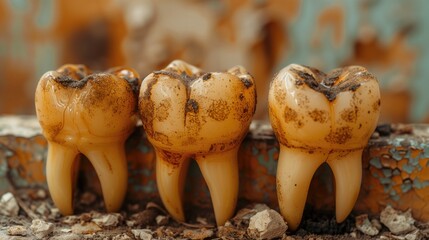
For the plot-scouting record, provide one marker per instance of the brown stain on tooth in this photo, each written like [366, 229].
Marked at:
[349, 115]
[290, 114]
[330, 85]
[318, 115]
[376, 105]
[172, 158]
[163, 110]
[340, 135]
[218, 110]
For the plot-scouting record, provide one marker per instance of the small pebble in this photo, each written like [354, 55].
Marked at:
[397, 222]
[142, 234]
[122, 236]
[161, 220]
[86, 228]
[365, 226]
[108, 220]
[67, 236]
[197, 233]
[17, 230]
[267, 224]
[8, 205]
[41, 229]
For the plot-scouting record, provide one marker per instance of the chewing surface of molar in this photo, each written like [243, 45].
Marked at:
[92, 114]
[204, 116]
[319, 118]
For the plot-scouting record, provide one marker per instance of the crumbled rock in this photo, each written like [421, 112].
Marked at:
[142, 234]
[122, 236]
[414, 235]
[72, 219]
[17, 230]
[67, 236]
[86, 228]
[41, 229]
[397, 222]
[230, 232]
[161, 220]
[145, 217]
[108, 220]
[365, 226]
[8, 205]
[43, 209]
[267, 224]
[197, 233]
[376, 224]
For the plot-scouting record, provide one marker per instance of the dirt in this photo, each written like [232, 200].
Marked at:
[137, 219]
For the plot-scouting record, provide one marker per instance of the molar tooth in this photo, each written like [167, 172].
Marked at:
[190, 114]
[93, 114]
[321, 118]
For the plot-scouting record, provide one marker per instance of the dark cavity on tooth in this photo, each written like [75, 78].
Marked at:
[207, 76]
[192, 106]
[333, 83]
[247, 82]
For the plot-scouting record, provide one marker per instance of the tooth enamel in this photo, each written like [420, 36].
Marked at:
[204, 116]
[321, 118]
[92, 114]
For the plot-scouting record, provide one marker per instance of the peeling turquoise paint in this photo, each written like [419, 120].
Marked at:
[45, 17]
[376, 162]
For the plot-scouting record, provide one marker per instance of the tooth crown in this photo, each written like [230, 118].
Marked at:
[336, 109]
[72, 98]
[182, 109]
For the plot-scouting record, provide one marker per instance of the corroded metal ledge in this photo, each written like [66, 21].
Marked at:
[395, 168]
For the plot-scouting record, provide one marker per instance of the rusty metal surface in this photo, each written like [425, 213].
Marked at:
[395, 169]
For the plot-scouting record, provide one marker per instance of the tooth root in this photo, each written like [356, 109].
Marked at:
[347, 170]
[60, 175]
[171, 170]
[220, 171]
[110, 164]
[295, 170]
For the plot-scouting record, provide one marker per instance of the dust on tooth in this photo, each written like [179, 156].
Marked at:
[319, 118]
[188, 114]
[92, 114]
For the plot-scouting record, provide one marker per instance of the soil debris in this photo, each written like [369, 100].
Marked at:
[364, 225]
[8, 205]
[266, 224]
[397, 222]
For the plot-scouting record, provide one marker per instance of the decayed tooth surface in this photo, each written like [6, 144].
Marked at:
[319, 118]
[189, 114]
[92, 114]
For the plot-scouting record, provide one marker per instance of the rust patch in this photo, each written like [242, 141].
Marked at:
[218, 110]
[340, 135]
[349, 115]
[163, 110]
[174, 159]
[290, 114]
[319, 115]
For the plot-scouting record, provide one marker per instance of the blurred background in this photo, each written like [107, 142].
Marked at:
[390, 38]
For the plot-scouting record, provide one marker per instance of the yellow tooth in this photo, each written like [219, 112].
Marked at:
[204, 116]
[92, 114]
[321, 118]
